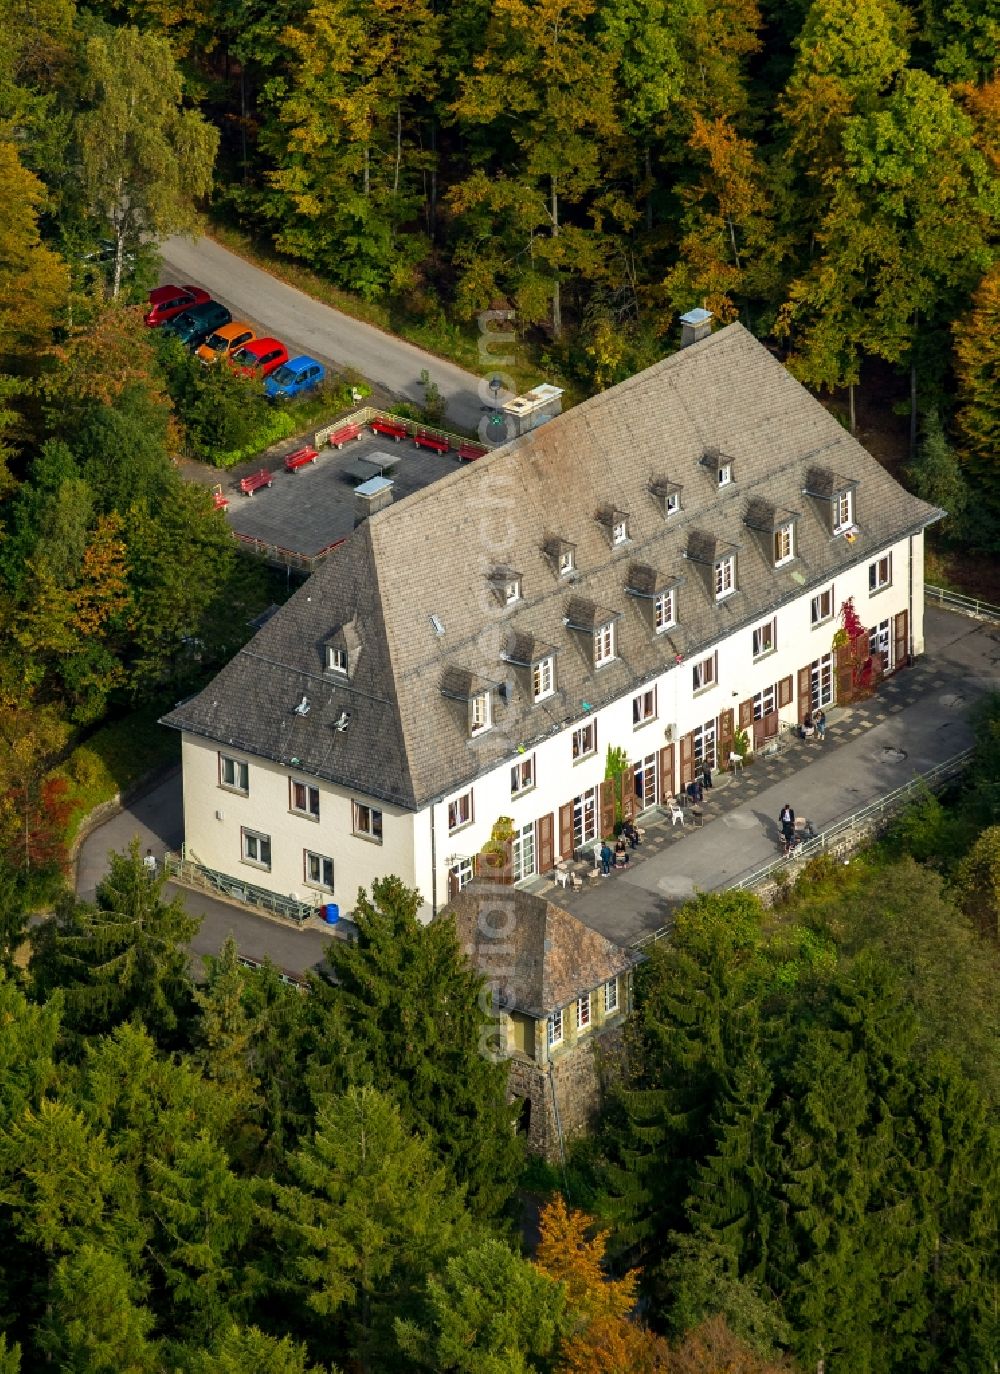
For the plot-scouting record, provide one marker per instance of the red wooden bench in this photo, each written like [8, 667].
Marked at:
[219, 498]
[470, 452]
[340, 437]
[256, 480]
[394, 429]
[300, 458]
[434, 441]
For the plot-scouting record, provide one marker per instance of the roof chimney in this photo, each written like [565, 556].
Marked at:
[695, 325]
[373, 495]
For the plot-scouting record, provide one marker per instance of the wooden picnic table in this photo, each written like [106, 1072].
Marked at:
[301, 458]
[393, 429]
[248, 485]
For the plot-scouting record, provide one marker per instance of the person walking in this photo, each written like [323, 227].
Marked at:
[606, 857]
[819, 720]
[786, 819]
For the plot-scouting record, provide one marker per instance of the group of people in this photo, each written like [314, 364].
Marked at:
[814, 726]
[628, 839]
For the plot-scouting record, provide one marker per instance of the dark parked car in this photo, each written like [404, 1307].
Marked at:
[196, 324]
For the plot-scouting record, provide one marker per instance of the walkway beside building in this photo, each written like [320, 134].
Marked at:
[918, 719]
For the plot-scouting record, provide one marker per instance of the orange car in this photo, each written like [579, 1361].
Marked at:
[225, 341]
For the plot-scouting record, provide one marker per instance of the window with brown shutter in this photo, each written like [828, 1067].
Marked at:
[543, 835]
[607, 808]
[628, 794]
[746, 712]
[687, 759]
[785, 688]
[566, 831]
[726, 721]
[665, 769]
[805, 694]
[901, 635]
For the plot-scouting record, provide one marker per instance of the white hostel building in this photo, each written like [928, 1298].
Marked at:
[654, 570]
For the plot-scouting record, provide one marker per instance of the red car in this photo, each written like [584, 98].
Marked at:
[167, 301]
[260, 355]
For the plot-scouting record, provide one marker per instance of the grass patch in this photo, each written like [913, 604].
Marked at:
[113, 759]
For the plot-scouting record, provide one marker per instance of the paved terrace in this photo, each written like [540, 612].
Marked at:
[917, 719]
[308, 510]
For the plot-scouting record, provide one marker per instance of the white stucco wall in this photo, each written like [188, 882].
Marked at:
[217, 843]
[409, 840]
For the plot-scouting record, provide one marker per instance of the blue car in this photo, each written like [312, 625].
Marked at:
[294, 377]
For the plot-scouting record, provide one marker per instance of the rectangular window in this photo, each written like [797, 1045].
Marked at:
[463, 872]
[256, 848]
[585, 818]
[703, 674]
[644, 706]
[672, 503]
[303, 799]
[725, 474]
[619, 532]
[367, 821]
[646, 781]
[610, 996]
[604, 644]
[336, 660]
[460, 811]
[765, 702]
[821, 682]
[725, 577]
[567, 562]
[583, 1011]
[543, 678]
[666, 612]
[522, 852]
[765, 639]
[843, 512]
[784, 545]
[522, 776]
[880, 573]
[480, 714]
[512, 591]
[319, 871]
[555, 1029]
[704, 746]
[880, 644]
[585, 740]
[234, 774]
[821, 607]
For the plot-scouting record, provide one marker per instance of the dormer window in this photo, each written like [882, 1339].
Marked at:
[604, 644]
[615, 523]
[512, 591]
[665, 613]
[506, 584]
[543, 678]
[725, 577]
[720, 465]
[561, 553]
[843, 512]
[619, 532]
[480, 713]
[667, 494]
[567, 562]
[336, 660]
[784, 544]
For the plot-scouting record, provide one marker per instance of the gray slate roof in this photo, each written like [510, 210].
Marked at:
[432, 554]
[543, 958]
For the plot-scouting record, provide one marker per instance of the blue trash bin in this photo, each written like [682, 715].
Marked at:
[331, 913]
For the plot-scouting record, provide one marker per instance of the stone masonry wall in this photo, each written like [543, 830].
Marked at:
[580, 1075]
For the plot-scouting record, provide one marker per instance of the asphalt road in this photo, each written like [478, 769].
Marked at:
[308, 326]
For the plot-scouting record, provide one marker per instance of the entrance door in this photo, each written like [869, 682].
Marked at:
[523, 852]
[901, 631]
[645, 782]
[880, 644]
[821, 682]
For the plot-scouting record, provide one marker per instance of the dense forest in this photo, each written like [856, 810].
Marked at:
[226, 1173]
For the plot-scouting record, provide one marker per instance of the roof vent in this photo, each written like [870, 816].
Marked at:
[438, 625]
[695, 326]
[303, 707]
[342, 721]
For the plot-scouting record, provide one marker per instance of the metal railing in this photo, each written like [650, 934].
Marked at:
[866, 822]
[965, 605]
[197, 875]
